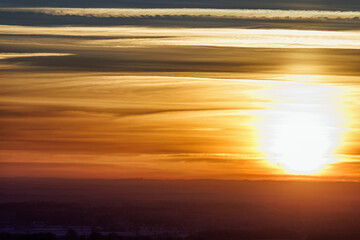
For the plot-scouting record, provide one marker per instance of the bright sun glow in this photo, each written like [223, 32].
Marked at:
[301, 143]
[302, 129]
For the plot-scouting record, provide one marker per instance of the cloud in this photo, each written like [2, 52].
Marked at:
[191, 93]
[191, 12]
[12, 110]
[124, 37]
[36, 19]
[224, 4]
[22, 55]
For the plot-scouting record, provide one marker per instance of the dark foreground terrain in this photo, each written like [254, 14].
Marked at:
[44, 209]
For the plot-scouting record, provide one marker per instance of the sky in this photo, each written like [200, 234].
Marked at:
[180, 89]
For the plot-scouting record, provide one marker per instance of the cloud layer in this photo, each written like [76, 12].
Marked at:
[94, 100]
[192, 12]
[123, 37]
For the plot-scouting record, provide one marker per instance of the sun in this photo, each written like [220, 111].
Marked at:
[302, 128]
[301, 144]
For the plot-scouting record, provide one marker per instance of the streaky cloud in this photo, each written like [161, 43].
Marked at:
[209, 37]
[191, 12]
[22, 55]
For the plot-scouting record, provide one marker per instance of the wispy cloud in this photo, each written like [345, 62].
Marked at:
[192, 12]
[215, 37]
[21, 55]
[167, 101]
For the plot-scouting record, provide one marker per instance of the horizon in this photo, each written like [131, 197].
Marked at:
[301, 179]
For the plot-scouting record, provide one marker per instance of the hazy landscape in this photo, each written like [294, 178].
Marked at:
[194, 209]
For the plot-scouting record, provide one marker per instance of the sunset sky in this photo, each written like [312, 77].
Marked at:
[180, 89]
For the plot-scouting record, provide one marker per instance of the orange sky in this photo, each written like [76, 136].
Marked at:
[149, 102]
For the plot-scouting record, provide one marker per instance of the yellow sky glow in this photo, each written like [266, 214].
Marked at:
[164, 102]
